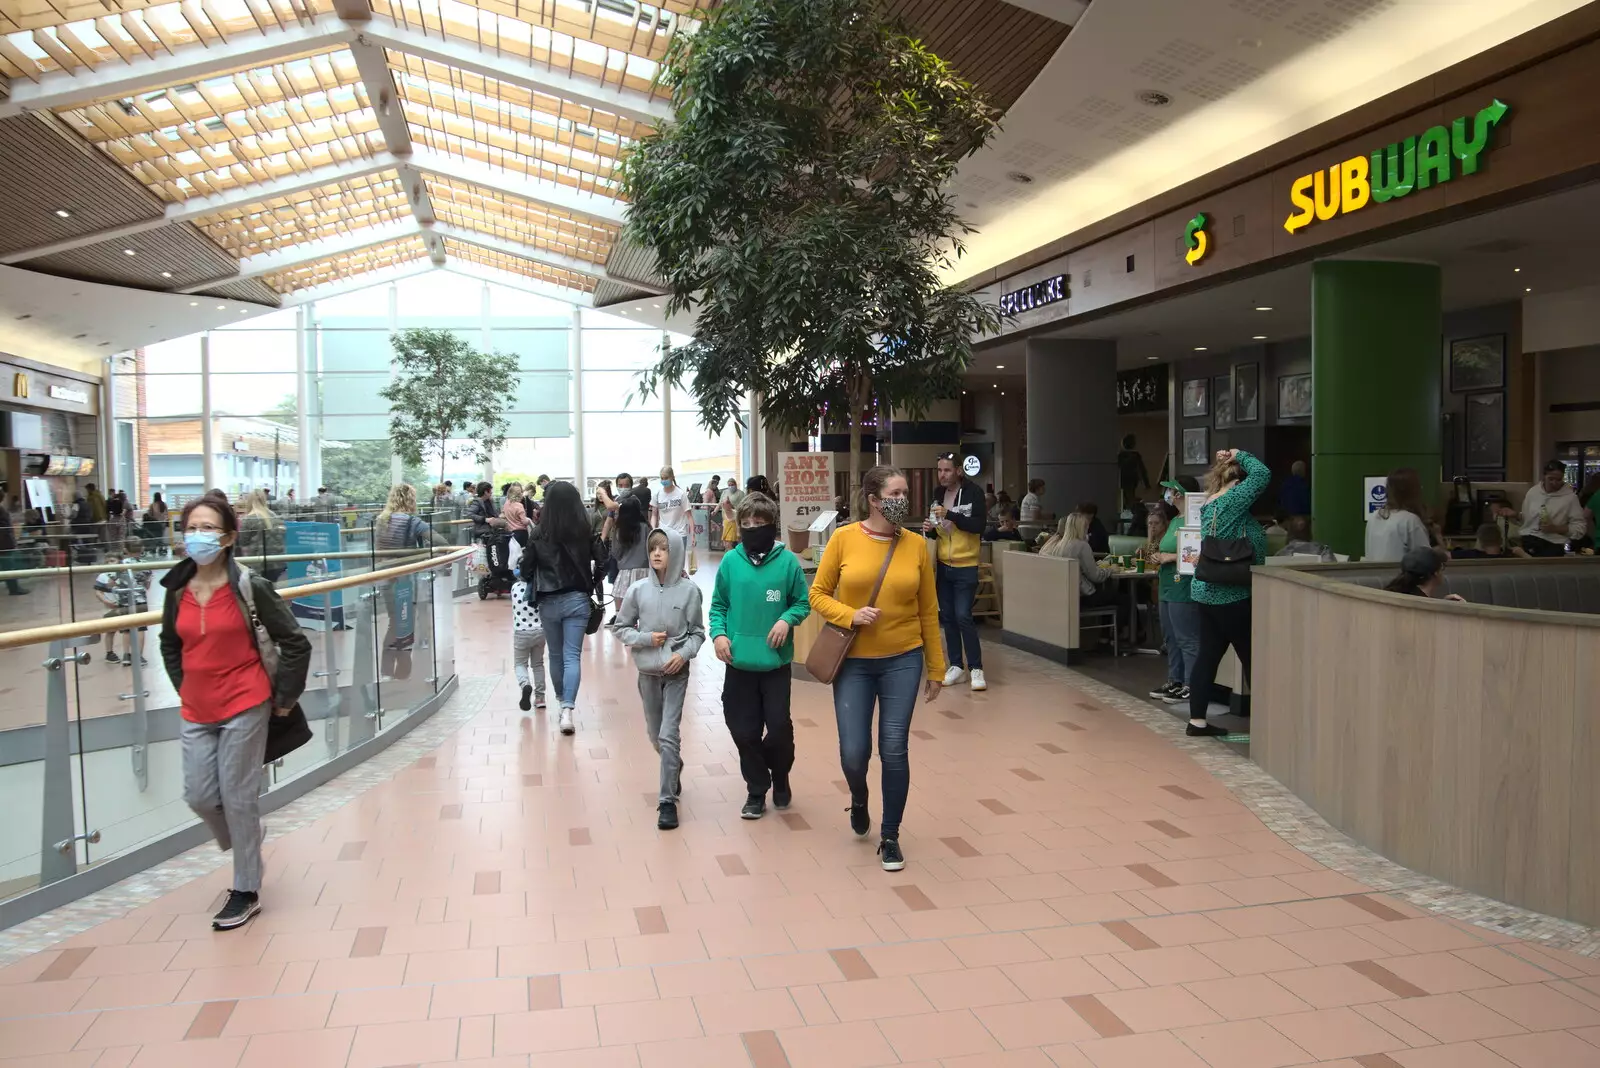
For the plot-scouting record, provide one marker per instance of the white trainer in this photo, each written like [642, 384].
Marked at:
[566, 721]
[978, 681]
[953, 676]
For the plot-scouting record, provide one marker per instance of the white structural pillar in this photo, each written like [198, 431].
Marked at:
[754, 435]
[397, 467]
[486, 305]
[666, 410]
[575, 347]
[305, 448]
[111, 472]
[208, 450]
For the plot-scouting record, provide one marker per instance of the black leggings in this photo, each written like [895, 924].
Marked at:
[1221, 625]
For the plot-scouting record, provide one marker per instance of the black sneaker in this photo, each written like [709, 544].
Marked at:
[782, 796]
[889, 853]
[666, 816]
[1210, 730]
[112, 658]
[1177, 696]
[860, 822]
[239, 910]
[1161, 692]
[755, 807]
[527, 698]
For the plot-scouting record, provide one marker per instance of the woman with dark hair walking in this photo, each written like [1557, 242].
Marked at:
[898, 648]
[564, 567]
[211, 647]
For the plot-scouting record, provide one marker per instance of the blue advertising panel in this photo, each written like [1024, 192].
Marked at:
[314, 539]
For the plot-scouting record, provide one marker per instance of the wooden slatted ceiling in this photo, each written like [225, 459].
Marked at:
[645, 35]
[998, 47]
[249, 125]
[499, 155]
[349, 264]
[309, 215]
[436, 86]
[47, 168]
[126, 31]
[597, 171]
[177, 248]
[491, 212]
[490, 31]
[516, 265]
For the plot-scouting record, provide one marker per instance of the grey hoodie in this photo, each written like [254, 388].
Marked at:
[1561, 508]
[672, 606]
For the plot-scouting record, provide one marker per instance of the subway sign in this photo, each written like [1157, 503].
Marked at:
[1429, 159]
[1037, 295]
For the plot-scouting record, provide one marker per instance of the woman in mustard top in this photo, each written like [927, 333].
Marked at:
[897, 647]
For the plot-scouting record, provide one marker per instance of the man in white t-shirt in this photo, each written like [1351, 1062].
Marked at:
[669, 509]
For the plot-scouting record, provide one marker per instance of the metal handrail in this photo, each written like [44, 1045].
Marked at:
[62, 631]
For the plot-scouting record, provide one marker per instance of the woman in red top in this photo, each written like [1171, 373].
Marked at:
[209, 647]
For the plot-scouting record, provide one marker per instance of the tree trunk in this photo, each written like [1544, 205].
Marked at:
[857, 395]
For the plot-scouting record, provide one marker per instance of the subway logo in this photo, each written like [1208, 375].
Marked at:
[1393, 172]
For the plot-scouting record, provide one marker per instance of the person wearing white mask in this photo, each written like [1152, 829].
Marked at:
[669, 510]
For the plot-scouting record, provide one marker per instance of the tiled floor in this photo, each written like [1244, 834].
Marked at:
[1081, 893]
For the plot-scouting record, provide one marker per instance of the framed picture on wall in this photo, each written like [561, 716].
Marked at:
[1222, 402]
[1486, 430]
[1247, 393]
[1294, 396]
[1194, 447]
[1196, 391]
[1478, 363]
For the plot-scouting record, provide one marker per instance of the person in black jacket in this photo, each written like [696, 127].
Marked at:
[957, 518]
[228, 687]
[564, 567]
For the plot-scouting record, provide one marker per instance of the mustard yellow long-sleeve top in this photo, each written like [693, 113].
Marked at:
[909, 602]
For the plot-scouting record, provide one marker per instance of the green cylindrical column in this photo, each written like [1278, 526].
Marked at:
[1375, 379]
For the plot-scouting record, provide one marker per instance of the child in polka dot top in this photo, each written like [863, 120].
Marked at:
[527, 647]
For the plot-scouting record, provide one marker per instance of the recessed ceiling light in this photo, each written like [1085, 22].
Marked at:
[1152, 98]
[1262, 307]
[655, 305]
[1516, 270]
[194, 304]
[1002, 393]
[1199, 348]
[995, 386]
[999, 367]
[1258, 337]
[166, 274]
[64, 213]
[222, 307]
[129, 252]
[1152, 358]
[244, 311]
[1528, 290]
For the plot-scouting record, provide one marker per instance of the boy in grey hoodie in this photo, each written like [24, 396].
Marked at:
[661, 621]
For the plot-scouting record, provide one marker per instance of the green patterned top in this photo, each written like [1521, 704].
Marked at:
[1229, 516]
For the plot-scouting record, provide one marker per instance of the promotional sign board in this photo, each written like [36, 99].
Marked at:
[310, 539]
[1188, 550]
[1192, 503]
[1374, 496]
[805, 483]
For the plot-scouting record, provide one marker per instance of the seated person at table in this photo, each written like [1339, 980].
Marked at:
[1098, 537]
[1491, 544]
[1300, 543]
[1071, 541]
[1551, 514]
[1006, 528]
[1422, 574]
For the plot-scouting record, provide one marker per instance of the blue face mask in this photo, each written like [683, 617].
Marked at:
[203, 546]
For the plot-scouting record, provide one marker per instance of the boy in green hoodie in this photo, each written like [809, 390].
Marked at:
[759, 598]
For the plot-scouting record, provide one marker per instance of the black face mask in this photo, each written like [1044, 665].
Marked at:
[758, 540]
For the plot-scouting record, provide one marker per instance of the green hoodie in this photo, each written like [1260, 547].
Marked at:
[749, 598]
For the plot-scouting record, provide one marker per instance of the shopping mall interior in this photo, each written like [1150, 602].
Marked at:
[1265, 733]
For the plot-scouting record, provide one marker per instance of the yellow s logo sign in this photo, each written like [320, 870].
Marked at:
[1300, 196]
[1194, 236]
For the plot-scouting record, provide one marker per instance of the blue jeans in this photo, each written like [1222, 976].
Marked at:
[564, 617]
[890, 683]
[1180, 624]
[958, 588]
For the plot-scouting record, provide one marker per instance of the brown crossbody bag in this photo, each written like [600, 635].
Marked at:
[833, 643]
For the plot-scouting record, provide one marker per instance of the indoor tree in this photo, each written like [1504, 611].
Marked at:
[796, 205]
[445, 390]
